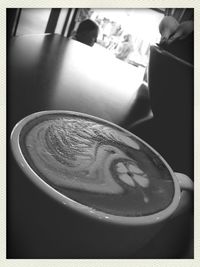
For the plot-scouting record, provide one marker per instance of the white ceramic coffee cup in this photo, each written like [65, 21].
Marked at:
[114, 235]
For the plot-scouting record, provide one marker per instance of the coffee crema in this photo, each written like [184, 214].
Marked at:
[97, 164]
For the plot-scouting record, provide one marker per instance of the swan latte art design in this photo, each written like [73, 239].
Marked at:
[97, 164]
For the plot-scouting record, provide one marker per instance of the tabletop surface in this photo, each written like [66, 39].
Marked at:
[49, 72]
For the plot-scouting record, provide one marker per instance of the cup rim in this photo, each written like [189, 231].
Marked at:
[74, 205]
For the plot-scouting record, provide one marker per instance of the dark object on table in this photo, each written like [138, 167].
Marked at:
[183, 48]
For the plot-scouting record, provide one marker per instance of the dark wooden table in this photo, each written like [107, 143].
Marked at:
[48, 72]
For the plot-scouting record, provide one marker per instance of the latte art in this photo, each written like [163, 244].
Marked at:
[79, 151]
[97, 164]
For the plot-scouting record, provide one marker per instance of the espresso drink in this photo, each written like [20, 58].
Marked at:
[97, 164]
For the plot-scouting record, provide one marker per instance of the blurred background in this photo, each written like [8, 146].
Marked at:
[141, 26]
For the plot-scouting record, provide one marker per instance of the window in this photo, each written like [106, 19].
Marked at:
[33, 21]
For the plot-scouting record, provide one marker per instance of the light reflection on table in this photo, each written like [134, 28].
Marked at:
[51, 72]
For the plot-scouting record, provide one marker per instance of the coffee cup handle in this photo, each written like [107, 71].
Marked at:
[187, 187]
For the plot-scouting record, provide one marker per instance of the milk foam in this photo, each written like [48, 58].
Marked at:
[97, 164]
[78, 153]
